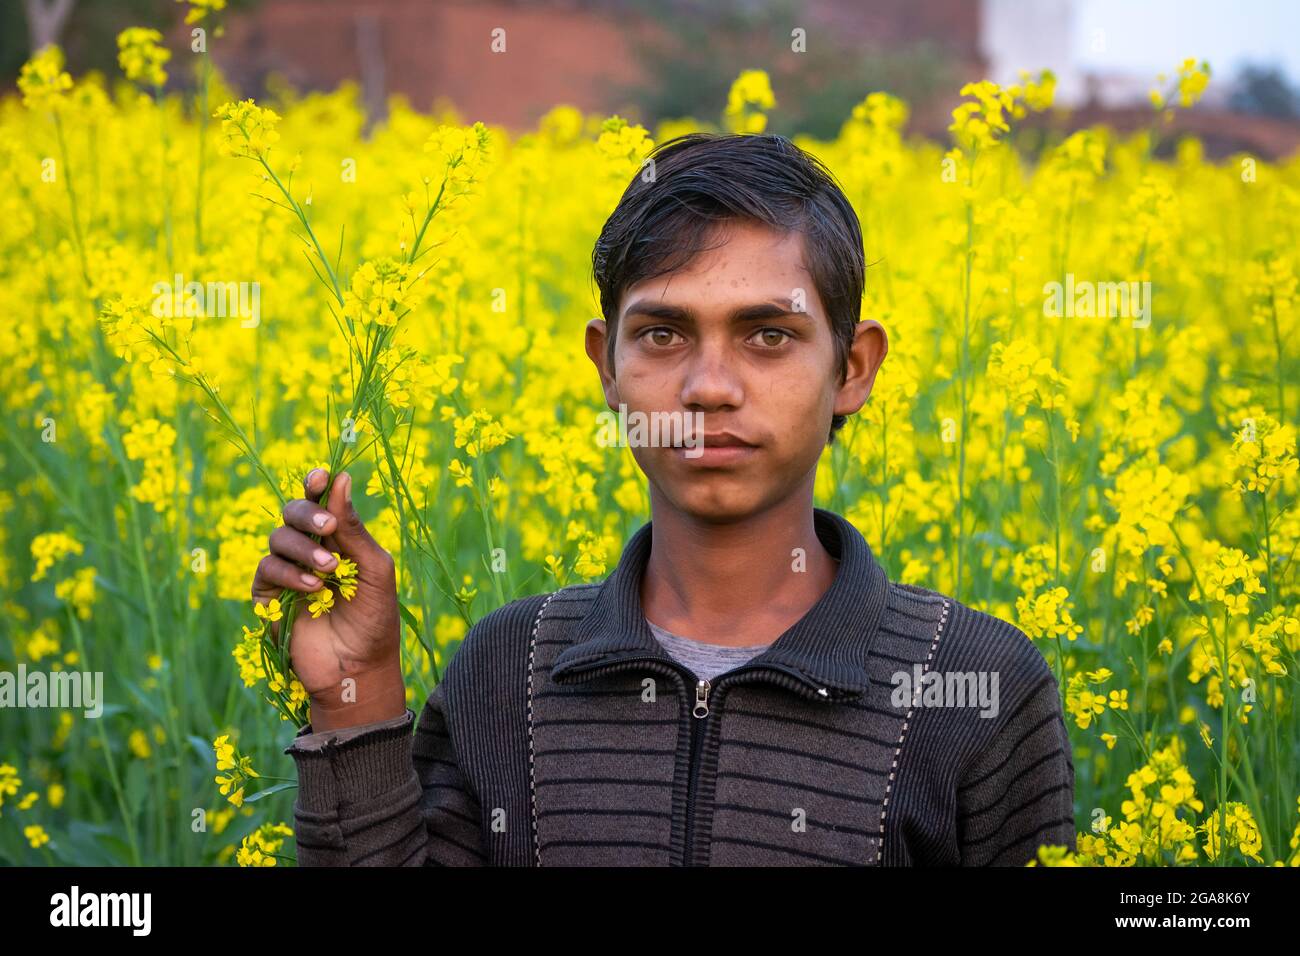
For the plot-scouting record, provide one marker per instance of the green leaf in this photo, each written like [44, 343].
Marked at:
[204, 748]
[144, 700]
[137, 786]
[92, 844]
[268, 791]
[411, 620]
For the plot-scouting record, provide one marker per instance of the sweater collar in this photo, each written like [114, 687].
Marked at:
[827, 648]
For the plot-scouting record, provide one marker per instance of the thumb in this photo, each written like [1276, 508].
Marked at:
[351, 534]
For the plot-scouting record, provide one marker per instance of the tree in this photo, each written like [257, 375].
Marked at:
[1264, 91]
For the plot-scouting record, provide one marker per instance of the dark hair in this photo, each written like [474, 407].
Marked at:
[699, 181]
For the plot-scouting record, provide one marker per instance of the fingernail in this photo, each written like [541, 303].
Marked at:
[311, 475]
[322, 558]
[347, 488]
[311, 580]
[320, 519]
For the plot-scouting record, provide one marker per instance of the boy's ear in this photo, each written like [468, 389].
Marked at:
[597, 345]
[870, 346]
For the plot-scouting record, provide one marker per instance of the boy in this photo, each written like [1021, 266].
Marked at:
[747, 687]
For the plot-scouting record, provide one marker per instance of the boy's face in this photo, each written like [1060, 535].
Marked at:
[725, 337]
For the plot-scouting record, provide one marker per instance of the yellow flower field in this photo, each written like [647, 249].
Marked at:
[1085, 426]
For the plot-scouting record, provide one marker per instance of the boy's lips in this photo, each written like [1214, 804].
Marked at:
[725, 440]
[717, 448]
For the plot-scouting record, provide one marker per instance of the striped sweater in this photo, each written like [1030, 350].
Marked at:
[563, 734]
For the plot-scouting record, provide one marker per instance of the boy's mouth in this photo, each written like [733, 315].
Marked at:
[716, 448]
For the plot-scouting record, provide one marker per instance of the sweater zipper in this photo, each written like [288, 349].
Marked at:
[701, 714]
[701, 703]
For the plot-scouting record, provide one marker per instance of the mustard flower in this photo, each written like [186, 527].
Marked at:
[42, 81]
[142, 55]
[247, 130]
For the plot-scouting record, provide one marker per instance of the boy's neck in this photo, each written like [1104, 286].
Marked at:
[736, 584]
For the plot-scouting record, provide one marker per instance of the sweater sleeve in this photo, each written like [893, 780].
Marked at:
[308, 739]
[385, 798]
[1018, 793]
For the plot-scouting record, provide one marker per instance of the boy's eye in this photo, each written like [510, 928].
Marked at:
[772, 338]
[659, 335]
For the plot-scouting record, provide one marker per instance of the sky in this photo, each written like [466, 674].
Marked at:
[1150, 36]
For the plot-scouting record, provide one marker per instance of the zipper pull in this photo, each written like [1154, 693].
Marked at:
[701, 699]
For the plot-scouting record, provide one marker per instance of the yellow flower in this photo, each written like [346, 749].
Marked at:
[247, 130]
[1222, 571]
[321, 602]
[748, 100]
[201, 10]
[1193, 78]
[78, 591]
[592, 556]
[47, 549]
[43, 82]
[980, 122]
[622, 145]
[382, 291]
[1047, 615]
[1053, 856]
[139, 744]
[231, 785]
[345, 576]
[1026, 377]
[225, 752]
[461, 153]
[142, 55]
[36, 836]
[260, 848]
[1040, 92]
[1266, 453]
[478, 433]
[1238, 826]
[1087, 705]
[270, 611]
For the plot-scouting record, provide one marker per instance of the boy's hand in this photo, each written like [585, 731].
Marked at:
[356, 639]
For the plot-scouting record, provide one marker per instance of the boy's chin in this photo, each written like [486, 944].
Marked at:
[717, 502]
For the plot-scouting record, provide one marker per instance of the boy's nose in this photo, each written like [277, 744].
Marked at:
[711, 383]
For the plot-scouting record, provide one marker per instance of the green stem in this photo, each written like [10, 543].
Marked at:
[113, 777]
[205, 75]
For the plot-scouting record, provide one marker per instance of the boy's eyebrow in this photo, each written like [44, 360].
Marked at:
[771, 309]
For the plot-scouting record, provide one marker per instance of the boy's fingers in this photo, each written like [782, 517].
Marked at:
[274, 574]
[351, 534]
[315, 482]
[308, 517]
[295, 546]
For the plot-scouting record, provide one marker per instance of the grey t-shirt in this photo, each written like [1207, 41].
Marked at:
[706, 661]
